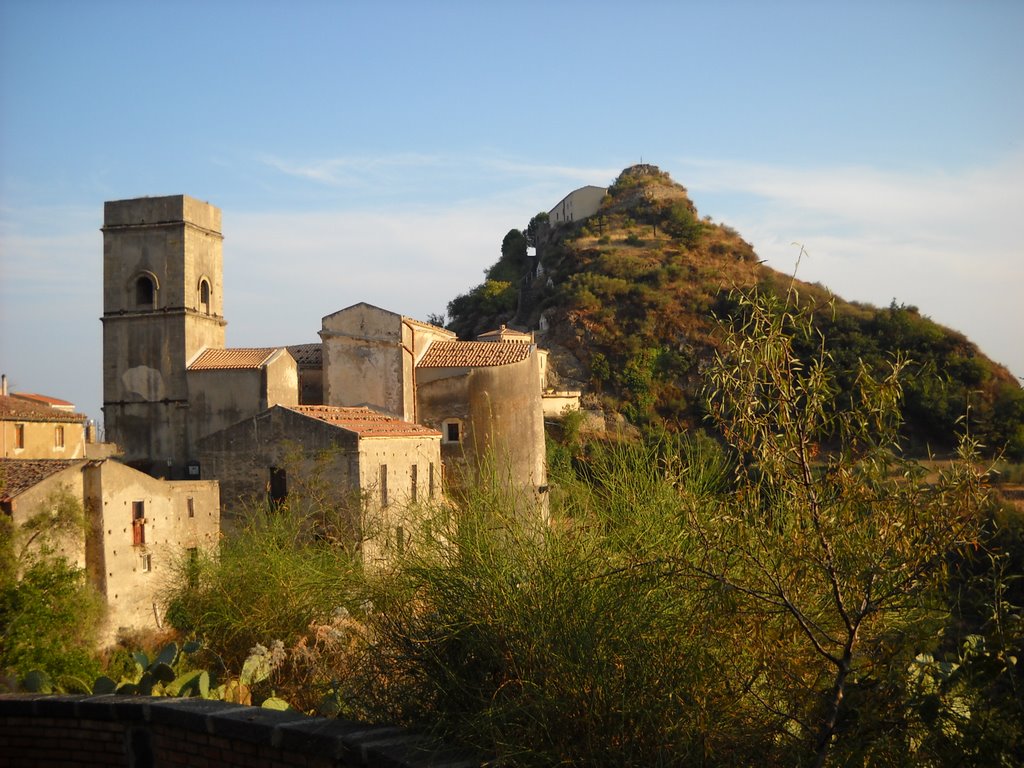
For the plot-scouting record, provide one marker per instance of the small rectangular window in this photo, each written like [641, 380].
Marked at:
[19, 436]
[451, 432]
[412, 484]
[383, 485]
[58, 437]
[190, 504]
[278, 486]
[400, 540]
[138, 523]
[430, 485]
[147, 563]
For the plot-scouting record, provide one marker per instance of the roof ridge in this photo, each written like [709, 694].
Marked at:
[364, 421]
[15, 408]
[475, 354]
[221, 358]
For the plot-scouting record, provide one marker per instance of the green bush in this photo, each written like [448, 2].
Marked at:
[49, 614]
[270, 580]
[556, 646]
[48, 621]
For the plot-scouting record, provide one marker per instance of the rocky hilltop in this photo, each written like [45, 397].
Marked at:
[630, 300]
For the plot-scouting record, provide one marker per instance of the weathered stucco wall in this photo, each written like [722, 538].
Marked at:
[556, 404]
[175, 243]
[318, 460]
[368, 360]
[281, 381]
[127, 561]
[442, 395]
[145, 401]
[130, 562]
[358, 489]
[502, 421]
[578, 204]
[39, 499]
[41, 439]
[412, 466]
[176, 238]
[222, 397]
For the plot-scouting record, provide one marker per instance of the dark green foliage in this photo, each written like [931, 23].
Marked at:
[270, 580]
[491, 299]
[48, 621]
[947, 379]
[535, 228]
[49, 614]
[682, 223]
[512, 264]
[600, 370]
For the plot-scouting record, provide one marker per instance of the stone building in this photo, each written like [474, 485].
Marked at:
[484, 397]
[176, 399]
[577, 205]
[136, 527]
[353, 474]
[162, 306]
[31, 430]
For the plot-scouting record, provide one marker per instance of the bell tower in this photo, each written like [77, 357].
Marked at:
[162, 304]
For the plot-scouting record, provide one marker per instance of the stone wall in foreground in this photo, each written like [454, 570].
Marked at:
[142, 732]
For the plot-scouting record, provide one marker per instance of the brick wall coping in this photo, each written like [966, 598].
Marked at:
[341, 743]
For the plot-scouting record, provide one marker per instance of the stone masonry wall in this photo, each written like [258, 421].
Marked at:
[141, 732]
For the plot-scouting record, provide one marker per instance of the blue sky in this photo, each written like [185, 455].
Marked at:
[380, 151]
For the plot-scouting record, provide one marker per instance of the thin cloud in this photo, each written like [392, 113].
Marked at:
[550, 173]
[859, 194]
[466, 171]
[348, 170]
[948, 242]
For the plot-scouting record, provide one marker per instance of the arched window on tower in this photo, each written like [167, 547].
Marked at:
[204, 296]
[145, 291]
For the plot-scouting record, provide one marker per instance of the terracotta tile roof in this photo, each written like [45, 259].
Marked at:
[16, 409]
[18, 475]
[364, 421]
[308, 355]
[473, 354]
[242, 357]
[52, 402]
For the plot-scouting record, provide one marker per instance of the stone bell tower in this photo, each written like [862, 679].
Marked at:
[162, 303]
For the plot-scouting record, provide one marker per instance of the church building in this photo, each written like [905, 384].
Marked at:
[183, 405]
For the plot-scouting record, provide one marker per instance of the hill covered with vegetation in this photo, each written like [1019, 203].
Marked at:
[631, 300]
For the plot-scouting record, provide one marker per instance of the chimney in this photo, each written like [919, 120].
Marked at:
[3, 385]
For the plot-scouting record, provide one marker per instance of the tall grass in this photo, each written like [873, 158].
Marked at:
[270, 581]
[582, 643]
[597, 640]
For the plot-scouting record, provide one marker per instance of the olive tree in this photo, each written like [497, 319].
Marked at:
[831, 543]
